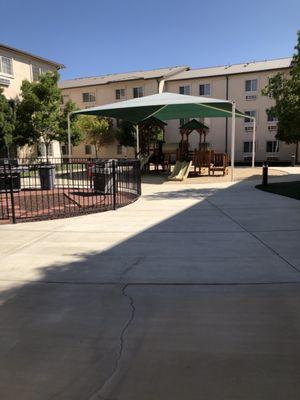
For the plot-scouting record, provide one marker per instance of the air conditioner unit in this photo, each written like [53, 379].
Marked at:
[4, 82]
[251, 97]
[248, 128]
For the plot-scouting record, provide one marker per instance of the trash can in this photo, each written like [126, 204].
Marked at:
[10, 177]
[293, 159]
[47, 176]
[103, 178]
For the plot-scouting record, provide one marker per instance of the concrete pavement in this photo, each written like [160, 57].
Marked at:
[191, 292]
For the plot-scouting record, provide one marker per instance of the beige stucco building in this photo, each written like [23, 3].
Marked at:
[16, 66]
[240, 82]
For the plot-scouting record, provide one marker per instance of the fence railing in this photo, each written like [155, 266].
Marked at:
[32, 189]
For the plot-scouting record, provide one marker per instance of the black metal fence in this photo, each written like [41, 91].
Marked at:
[33, 189]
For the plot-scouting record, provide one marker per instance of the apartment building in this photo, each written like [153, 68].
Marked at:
[96, 91]
[16, 66]
[240, 82]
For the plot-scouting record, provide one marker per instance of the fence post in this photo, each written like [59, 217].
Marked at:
[114, 184]
[11, 184]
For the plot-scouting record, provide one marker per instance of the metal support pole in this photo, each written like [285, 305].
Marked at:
[69, 137]
[253, 142]
[114, 184]
[137, 139]
[12, 199]
[232, 141]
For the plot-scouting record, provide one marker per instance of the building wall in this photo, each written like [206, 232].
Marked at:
[217, 131]
[105, 94]
[22, 70]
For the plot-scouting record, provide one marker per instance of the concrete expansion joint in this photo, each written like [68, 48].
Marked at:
[100, 394]
[253, 235]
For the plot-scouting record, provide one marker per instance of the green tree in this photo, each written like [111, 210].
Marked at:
[99, 131]
[39, 111]
[7, 124]
[285, 90]
[126, 134]
[77, 134]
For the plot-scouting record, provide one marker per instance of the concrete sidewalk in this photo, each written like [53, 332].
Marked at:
[191, 292]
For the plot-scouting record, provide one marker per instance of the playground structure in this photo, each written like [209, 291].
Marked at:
[161, 156]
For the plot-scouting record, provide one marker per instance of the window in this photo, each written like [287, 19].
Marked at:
[251, 114]
[119, 149]
[120, 94]
[88, 149]
[42, 150]
[138, 92]
[35, 72]
[88, 97]
[183, 121]
[251, 85]
[6, 65]
[270, 117]
[64, 149]
[204, 90]
[248, 146]
[272, 146]
[185, 90]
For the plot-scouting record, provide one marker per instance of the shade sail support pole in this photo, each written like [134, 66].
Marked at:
[232, 141]
[137, 139]
[69, 136]
[253, 142]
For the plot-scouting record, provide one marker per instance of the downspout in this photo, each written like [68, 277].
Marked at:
[226, 122]
[161, 85]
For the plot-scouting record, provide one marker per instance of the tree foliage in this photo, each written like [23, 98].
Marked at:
[285, 90]
[7, 123]
[125, 134]
[77, 134]
[39, 111]
[99, 131]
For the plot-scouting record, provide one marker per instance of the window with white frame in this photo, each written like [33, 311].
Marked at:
[251, 113]
[120, 94]
[88, 149]
[88, 97]
[251, 85]
[204, 89]
[185, 90]
[272, 146]
[248, 147]
[138, 92]
[271, 117]
[6, 66]
[42, 150]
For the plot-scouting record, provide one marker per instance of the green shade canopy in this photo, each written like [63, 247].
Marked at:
[164, 106]
[193, 124]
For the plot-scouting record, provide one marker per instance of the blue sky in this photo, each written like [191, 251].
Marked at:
[99, 37]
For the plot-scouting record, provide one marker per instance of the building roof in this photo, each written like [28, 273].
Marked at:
[126, 76]
[254, 66]
[25, 53]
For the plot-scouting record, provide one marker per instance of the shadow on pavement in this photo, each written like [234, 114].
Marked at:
[204, 304]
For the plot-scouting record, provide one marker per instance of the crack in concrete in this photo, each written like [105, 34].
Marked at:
[100, 394]
[130, 267]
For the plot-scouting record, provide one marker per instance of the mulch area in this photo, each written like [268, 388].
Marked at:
[58, 203]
